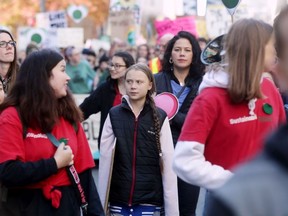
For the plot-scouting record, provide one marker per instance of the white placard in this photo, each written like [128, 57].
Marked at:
[70, 37]
[43, 37]
[91, 127]
[52, 19]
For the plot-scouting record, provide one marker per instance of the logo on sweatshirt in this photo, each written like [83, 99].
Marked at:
[243, 119]
[151, 132]
[36, 136]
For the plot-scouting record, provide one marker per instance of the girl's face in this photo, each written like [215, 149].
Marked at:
[270, 55]
[2, 94]
[7, 51]
[117, 67]
[182, 54]
[59, 79]
[137, 85]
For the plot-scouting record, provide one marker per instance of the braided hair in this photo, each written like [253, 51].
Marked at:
[149, 98]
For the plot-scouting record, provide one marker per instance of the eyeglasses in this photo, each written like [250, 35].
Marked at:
[116, 66]
[4, 44]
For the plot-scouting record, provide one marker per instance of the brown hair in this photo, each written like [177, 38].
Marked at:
[34, 97]
[145, 69]
[12, 72]
[278, 28]
[245, 53]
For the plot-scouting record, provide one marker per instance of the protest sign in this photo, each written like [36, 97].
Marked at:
[91, 127]
[174, 26]
[70, 37]
[122, 24]
[52, 19]
[42, 37]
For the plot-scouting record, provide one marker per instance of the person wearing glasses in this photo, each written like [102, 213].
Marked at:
[8, 60]
[109, 93]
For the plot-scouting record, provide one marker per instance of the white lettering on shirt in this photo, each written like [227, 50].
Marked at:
[32, 135]
[243, 119]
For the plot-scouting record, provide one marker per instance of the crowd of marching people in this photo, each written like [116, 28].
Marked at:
[227, 134]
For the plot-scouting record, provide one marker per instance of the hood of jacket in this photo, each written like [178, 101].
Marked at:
[218, 77]
[215, 77]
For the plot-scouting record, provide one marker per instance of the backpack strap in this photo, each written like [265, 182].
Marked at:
[72, 174]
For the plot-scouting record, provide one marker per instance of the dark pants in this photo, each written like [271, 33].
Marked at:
[32, 203]
[188, 197]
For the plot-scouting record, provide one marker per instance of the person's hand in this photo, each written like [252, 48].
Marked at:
[63, 156]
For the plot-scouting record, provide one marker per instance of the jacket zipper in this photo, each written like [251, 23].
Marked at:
[133, 163]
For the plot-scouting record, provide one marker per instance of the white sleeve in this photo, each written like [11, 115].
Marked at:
[169, 179]
[190, 165]
[107, 145]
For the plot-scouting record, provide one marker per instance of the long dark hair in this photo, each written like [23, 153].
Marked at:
[12, 72]
[146, 70]
[34, 97]
[197, 67]
[127, 58]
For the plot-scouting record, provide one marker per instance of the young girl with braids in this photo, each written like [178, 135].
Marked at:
[142, 181]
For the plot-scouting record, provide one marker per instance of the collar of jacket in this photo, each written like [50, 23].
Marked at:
[189, 80]
[126, 105]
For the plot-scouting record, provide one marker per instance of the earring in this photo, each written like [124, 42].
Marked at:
[170, 61]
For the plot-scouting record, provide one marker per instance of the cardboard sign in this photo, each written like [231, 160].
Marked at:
[70, 37]
[218, 21]
[91, 127]
[43, 37]
[53, 19]
[77, 12]
[51, 37]
[121, 24]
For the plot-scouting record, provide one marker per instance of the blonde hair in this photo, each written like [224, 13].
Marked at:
[245, 53]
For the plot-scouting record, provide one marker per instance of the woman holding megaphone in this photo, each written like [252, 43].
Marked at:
[182, 74]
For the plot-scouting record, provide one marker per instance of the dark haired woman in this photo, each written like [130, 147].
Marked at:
[142, 179]
[109, 93]
[32, 169]
[8, 59]
[182, 75]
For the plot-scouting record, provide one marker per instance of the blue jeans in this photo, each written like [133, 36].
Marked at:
[117, 209]
[207, 202]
